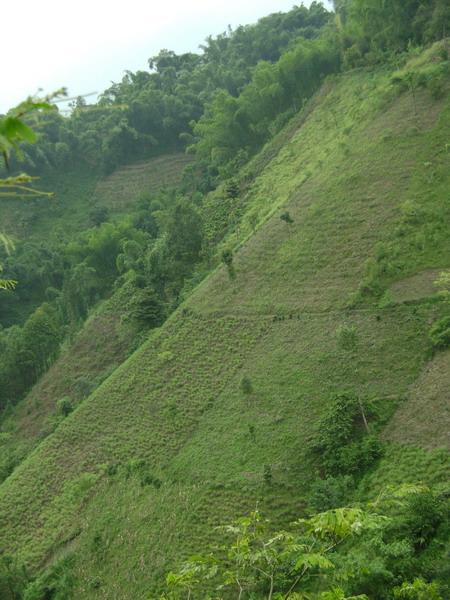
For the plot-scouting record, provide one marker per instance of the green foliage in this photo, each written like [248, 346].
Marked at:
[372, 30]
[267, 475]
[339, 594]
[146, 308]
[443, 284]
[246, 385]
[232, 189]
[286, 217]
[98, 215]
[150, 111]
[55, 583]
[141, 470]
[331, 492]
[390, 554]
[13, 578]
[227, 259]
[231, 124]
[424, 513]
[440, 333]
[198, 430]
[344, 443]
[347, 336]
[417, 590]
[15, 130]
[64, 406]
[6, 284]
[259, 563]
[31, 350]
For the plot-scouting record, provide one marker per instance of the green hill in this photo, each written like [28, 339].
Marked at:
[171, 444]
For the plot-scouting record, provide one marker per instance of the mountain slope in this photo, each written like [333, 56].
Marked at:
[349, 177]
[107, 337]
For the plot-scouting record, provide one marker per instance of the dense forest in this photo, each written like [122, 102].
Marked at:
[223, 107]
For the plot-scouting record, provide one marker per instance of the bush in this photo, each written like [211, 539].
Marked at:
[141, 470]
[227, 259]
[64, 406]
[424, 514]
[84, 387]
[343, 441]
[55, 583]
[347, 336]
[440, 333]
[246, 386]
[418, 590]
[357, 456]
[98, 215]
[267, 474]
[232, 189]
[13, 578]
[146, 308]
[332, 492]
[286, 217]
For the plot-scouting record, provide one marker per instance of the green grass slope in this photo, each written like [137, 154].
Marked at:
[102, 344]
[105, 340]
[368, 210]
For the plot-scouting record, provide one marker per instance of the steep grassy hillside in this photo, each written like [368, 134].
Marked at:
[169, 444]
[106, 338]
[98, 349]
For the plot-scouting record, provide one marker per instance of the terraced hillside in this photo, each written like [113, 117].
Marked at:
[77, 191]
[169, 444]
[123, 186]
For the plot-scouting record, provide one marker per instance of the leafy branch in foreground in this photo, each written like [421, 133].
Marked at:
[274, 566]
[6, 284]
[313, 561]
[19, 187]
[15, 128]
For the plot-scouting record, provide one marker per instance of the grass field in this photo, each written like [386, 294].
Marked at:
[351, 176]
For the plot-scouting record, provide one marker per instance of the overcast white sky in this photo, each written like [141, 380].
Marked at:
[85, 44]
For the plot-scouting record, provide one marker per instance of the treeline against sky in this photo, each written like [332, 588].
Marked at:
[241, 88]
[147, 112]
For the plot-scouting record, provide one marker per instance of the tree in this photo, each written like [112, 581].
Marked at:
[146, 308]
[258, 563]
[418, 590]
[349, 553]
[344, 444]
